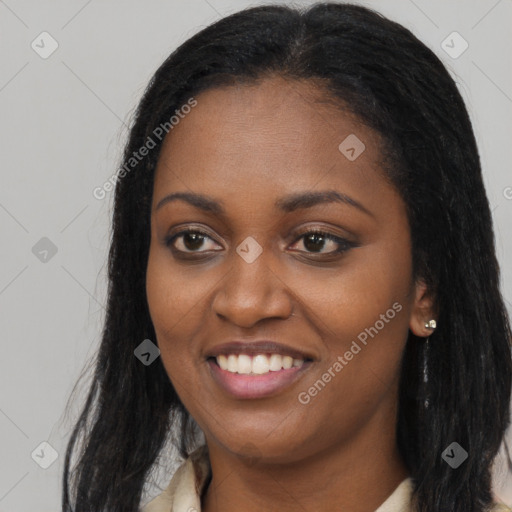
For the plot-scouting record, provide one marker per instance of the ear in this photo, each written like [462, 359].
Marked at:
[422, 310]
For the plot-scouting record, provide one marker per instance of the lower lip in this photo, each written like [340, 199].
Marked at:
[255, 386]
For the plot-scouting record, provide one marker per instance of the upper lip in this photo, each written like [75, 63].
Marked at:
[257, 347]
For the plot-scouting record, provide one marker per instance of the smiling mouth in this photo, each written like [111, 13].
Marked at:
[245, 376]
[256, 364]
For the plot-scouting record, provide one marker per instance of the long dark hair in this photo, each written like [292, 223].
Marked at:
[379, 71]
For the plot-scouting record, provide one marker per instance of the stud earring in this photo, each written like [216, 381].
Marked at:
[431, 324]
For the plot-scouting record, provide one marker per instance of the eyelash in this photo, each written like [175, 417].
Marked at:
[343, 244]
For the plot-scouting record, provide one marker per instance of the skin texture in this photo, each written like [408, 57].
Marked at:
[248, 146]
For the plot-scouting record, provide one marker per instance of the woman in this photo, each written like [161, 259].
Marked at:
[301, 226]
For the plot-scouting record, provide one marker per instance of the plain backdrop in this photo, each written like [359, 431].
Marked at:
[62, 129]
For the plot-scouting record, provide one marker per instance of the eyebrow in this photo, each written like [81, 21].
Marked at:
[286, 204]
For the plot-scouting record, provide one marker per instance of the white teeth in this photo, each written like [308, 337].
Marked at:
[287, 362]
[232, 363]
[260, 364]
[257, 364]
[244, 364]
[276, 362]
[223, 362]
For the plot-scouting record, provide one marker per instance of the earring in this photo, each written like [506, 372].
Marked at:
[431, 324]
[426, 349]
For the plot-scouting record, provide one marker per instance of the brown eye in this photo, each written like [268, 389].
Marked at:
[316, 241]
[188, 241]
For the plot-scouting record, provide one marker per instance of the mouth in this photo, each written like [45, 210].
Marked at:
[249, 376]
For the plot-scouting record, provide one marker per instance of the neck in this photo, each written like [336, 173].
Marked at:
[357, 476]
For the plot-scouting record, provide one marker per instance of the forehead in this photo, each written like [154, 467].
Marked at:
[267, 138]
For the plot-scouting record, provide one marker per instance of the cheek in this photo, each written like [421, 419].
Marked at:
[176, 294]
[174, 302]
[167, 293]
[352, 297]
[361, 310]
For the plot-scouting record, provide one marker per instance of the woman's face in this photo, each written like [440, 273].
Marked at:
[260, 165]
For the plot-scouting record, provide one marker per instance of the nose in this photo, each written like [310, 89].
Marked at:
[250, 292]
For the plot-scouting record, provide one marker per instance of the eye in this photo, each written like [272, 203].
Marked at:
[189, 241]
[316, 240]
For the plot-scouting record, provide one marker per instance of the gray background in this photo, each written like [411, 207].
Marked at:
[62, 129]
